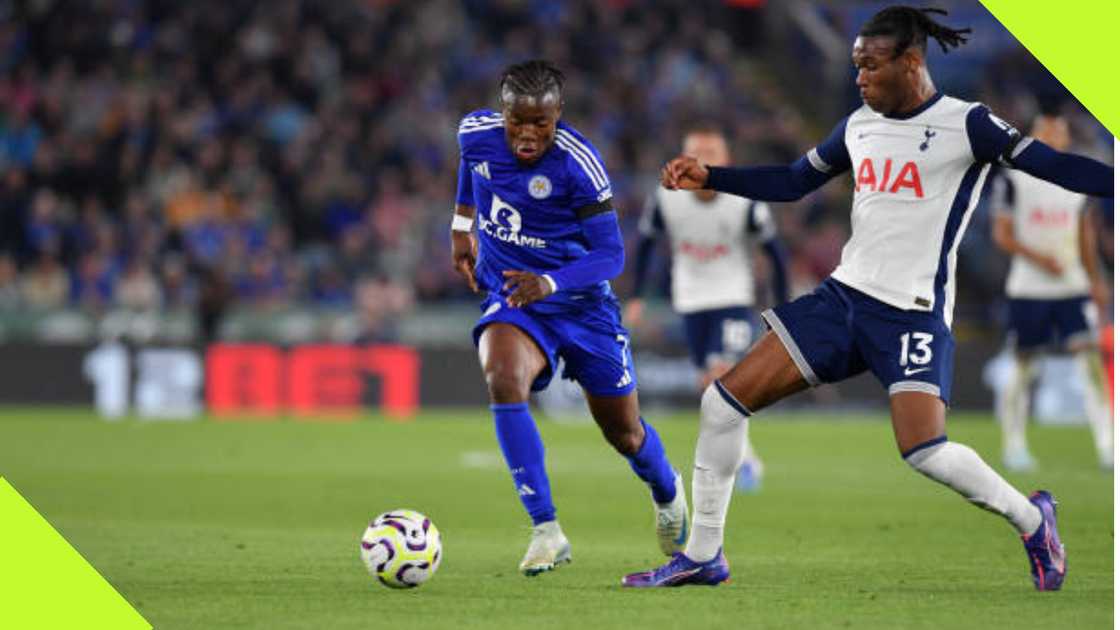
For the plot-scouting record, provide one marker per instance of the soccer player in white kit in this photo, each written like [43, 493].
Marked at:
[1056, 294]
[713, 288]
[919, 160]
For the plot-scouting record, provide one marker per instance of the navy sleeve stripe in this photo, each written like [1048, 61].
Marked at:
[581, 149]
[1070, 171]
[831, 155]
[992, 139]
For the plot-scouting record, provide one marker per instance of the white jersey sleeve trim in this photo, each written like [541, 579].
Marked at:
[1023, 144]
[817, 162]
[914, 386]
[779, 329]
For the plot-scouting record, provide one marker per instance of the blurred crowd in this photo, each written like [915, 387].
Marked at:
[167, 155]
[198, 155]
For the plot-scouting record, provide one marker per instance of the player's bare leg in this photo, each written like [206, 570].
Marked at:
[620, 421]
[918, 419]
[510, 362]
[765, 375]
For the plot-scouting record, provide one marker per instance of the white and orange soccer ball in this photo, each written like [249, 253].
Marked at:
[401, 548]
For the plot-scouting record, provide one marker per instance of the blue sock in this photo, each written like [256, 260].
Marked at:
[653, 467]
[524, 452]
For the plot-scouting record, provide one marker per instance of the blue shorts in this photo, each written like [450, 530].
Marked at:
[719, 334]
[592, 341]
[1044, 324]
[837, 332]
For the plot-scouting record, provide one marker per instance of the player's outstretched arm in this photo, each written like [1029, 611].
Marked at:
[1068, 170]
[995, 141]
[765, 183]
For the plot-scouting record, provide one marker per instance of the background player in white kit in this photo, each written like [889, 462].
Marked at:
[1056, 294]
[919, 160]
[713, 283]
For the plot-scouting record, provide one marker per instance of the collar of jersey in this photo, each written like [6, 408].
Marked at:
[919, 109]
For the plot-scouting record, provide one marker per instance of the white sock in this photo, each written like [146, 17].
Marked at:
[960, 468]
[1097, 406]
[1012, 404]
[719, 452]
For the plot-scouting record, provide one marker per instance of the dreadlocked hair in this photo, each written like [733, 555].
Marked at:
[535, 78]
[910, 27]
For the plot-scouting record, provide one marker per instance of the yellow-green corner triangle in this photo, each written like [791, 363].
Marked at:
[45, 583]
[1076, 42]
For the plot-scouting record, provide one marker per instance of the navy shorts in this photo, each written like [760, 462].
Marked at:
[837, 332]
[720, 334]
[1044, 324]
[592, 341]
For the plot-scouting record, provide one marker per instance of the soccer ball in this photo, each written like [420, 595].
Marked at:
[401, 548]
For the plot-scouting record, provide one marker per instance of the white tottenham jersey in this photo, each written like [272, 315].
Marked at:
[710, 240]
[918, 178]
[1047, 219]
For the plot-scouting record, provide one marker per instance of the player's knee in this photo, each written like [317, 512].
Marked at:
[626, 440]
[716, 413]
[507, 383]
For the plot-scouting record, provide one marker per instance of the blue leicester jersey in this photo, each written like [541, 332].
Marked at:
[528, 217]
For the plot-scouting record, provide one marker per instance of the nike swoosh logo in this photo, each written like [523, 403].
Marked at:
[683, 575]
[912, 372]
[1057, 552]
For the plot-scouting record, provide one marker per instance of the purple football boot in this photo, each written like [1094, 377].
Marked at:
[680, 571]
[1045, 551]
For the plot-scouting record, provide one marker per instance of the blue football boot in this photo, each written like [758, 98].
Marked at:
[681, 571]
[1045, 551]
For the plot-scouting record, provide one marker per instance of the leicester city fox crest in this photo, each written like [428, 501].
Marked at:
[540, 187]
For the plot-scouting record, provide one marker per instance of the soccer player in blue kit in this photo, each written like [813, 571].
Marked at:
[548, 242]
[919, 160]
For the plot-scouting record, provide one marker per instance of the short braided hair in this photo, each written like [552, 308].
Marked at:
[911, 26]
[536, 78]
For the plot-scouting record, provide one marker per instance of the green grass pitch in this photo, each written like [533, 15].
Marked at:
[256, 525]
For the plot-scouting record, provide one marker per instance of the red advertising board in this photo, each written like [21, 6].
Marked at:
[311, 381]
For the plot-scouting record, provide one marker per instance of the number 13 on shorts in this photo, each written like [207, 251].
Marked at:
[914, 349]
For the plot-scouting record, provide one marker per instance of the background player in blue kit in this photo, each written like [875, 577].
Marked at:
[919, 160]
[548, 241]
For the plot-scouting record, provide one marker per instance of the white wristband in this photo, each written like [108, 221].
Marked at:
[460, 223]
[551, 282]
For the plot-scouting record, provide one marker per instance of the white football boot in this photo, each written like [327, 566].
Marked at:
[548, 549]
[672, 521]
